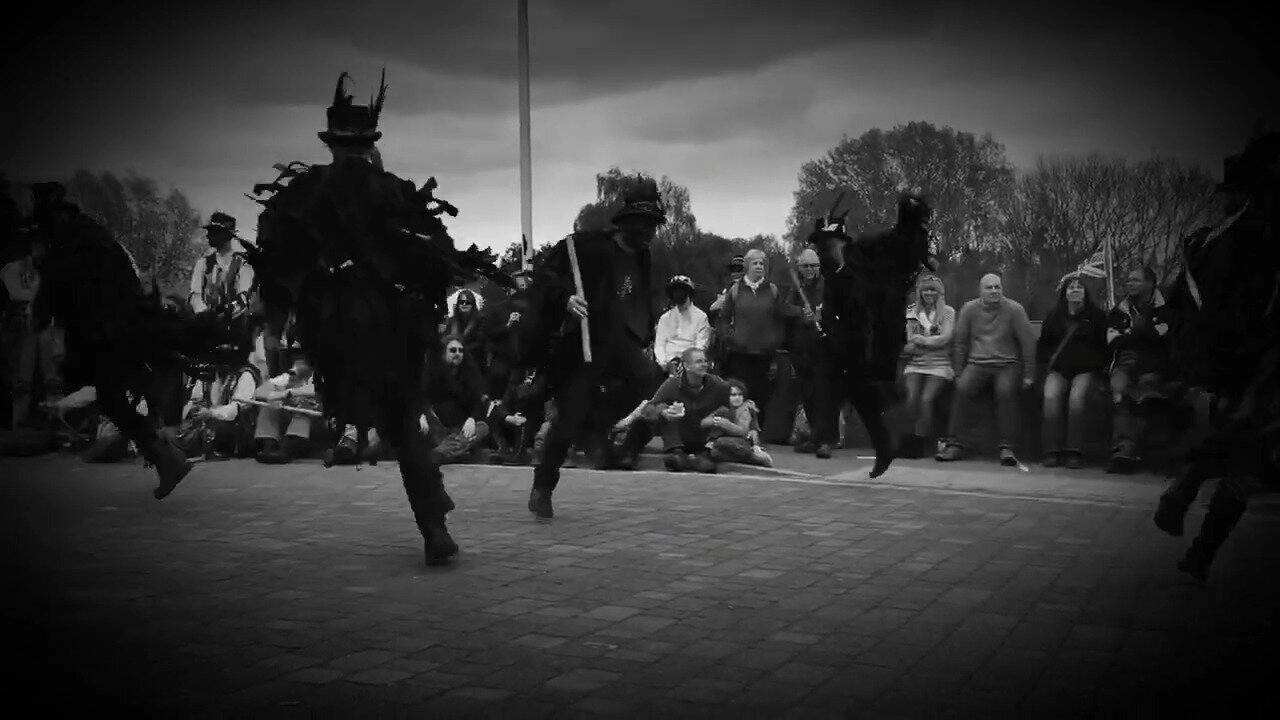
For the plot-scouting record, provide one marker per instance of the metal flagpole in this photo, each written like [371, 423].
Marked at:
[526, 169]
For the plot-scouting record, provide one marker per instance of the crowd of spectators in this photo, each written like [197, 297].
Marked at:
[724, 366]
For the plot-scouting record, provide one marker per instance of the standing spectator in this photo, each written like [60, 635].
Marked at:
[222, 277]
[1073, 349]
[753, 326]
[467, 324]
[26, 347]
[680, 328]
[994, 346]
[807, 356]
[503, 340]
[733, 273]
[931, 323]
[455, 408]
[1138, 329]
[683, 407]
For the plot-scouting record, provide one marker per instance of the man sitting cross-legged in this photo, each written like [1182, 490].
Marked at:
[296, 391]
[682, 409]
[453, 416]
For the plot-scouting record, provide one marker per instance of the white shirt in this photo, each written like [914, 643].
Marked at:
[222, 264]
[240, 396]
[678, 330]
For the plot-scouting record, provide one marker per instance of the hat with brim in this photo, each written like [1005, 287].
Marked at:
[221, 221]
[350, 124]
[645, 210]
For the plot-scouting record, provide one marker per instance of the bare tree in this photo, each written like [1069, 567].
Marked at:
[159, 231]
[966, 179]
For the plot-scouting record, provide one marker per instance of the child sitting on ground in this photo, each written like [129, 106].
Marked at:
[734, 435]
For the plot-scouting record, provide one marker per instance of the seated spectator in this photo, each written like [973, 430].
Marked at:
[994, 347]
[1073, 349]
[1138, 329]
[219, 418]
[681, 327]
[931, 323]
[733, 431]
[25, 347]
[753, 326]
[109, 445]
[283, 431]
[455, 405]
[679, 408]
[516, 418]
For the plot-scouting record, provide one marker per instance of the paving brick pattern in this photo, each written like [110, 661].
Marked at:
[297, 592]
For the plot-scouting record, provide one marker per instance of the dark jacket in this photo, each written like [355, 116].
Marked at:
[1085, 352]
[699, 402]
[503, 338]
[471, 330]
[454, 393]
[754, 321]
[552, 338]
[805, 341]
[1139, 336]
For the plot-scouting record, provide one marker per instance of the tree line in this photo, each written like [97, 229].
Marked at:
[1033, 226]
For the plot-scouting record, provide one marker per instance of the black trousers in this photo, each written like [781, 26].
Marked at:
[849, 379]
[576, 402]
[814, 377]
[423, 482]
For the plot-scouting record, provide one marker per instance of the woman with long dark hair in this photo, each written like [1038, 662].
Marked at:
[467, 324]
[1073, 349]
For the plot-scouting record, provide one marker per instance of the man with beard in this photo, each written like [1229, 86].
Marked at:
[221, 277]
[865, 289]
[617, 304]
[363, 262]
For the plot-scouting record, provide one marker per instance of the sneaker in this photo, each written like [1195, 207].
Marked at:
[949, 453]
[761, 457]
[1007, 458]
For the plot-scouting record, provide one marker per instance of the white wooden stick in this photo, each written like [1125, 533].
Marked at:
[577, 289]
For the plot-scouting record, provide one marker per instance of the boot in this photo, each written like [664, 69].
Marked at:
[1175, 501]
[1224, 512]
[540, 503]
[273, 453]
[1007, 458]
[883, 444]
[824, 451]
[910, 446]
[344, 453]
[439, 545]
[170, 462]
[1052, 459]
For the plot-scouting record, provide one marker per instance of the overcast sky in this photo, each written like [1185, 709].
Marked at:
[728, 97]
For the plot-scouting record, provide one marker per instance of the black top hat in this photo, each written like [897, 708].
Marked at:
[354, 124]
[830, 227]
[221, 221]
[643, 200]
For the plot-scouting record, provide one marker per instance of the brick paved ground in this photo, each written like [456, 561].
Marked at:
[297, 592]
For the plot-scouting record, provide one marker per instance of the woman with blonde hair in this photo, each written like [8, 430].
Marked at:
[930, 325]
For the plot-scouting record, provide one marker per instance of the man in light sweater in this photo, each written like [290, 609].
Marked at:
[994, 346]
